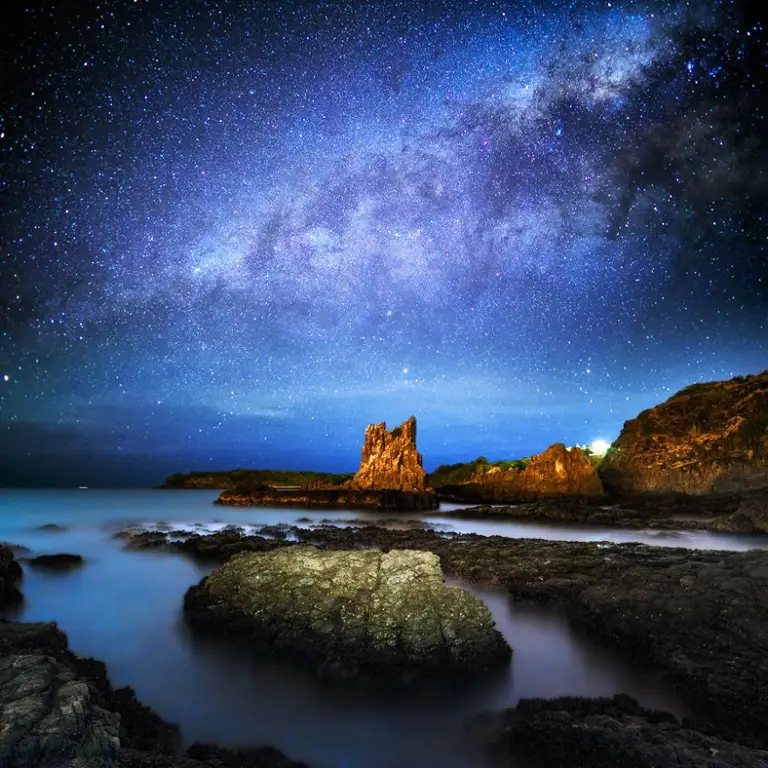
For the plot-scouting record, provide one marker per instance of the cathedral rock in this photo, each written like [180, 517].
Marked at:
[390, 460]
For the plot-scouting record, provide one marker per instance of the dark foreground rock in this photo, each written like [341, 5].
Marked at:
[604, 733]
[59, 710]
[57, 562]
[351, 613]
[10, 576]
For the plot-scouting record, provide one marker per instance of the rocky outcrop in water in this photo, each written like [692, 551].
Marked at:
[10, 576]
[558, 472]
[58, 710]
[390, 460]
[707, 439]
[605, 733]
[697, 615]
[59, 562]
[351, 613]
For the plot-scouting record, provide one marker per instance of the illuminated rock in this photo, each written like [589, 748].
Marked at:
[706, 439]
[390, 460]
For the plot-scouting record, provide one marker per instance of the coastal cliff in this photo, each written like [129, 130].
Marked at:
[708, 439]
[558, 472]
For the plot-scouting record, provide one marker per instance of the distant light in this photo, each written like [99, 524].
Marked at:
[405, 370]
[6, 377]
[600, 447]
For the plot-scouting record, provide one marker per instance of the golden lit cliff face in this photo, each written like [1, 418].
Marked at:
[708, 438]
[558, 471]
[390, 460]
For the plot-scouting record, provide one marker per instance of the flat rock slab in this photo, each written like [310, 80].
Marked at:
[351, 613]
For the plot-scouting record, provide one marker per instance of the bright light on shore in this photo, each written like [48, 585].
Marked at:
[600, 447]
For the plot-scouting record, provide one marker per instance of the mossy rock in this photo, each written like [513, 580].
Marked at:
[352, 613]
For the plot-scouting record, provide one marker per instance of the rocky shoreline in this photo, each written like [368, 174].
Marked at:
[747, 515]
[696, 615]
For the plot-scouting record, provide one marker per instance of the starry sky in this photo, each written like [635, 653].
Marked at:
[233, 236]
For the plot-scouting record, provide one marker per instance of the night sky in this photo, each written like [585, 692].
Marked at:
[234, 237]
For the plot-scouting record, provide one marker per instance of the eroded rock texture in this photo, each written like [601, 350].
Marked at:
[49, 717]
[390, 460]
[707, 439]
[351, 612]
[558, 471]
[58, 710]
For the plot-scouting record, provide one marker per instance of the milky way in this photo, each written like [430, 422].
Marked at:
[234, 237]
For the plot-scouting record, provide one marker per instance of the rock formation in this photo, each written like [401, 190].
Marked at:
[707, 439]
[390, 459]
[390, 477]
[558, 472]
[381, 615]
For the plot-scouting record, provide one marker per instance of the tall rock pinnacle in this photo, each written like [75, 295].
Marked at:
[390, 460]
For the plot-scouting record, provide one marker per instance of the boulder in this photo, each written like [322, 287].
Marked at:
[350, 613]
[706, 439]
[390, 460]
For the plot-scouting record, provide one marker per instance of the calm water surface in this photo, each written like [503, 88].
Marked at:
[125, 608]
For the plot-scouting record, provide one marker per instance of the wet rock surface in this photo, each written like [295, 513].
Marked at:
[350, 613]
[697, 615]
[59, 710]
[57, 562]
[605, 733]
[706, 439]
